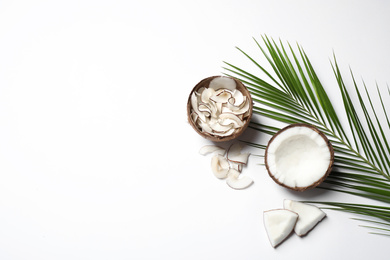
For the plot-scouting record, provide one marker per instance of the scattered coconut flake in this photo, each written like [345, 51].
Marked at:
[207, 149]
[236, 166]
[235, 181]
[279, 223]
[234, 154]
[223, 168]
[219, 166]
[309, 216]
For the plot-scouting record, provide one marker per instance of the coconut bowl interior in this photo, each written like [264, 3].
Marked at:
[215, 138]
[299, 157]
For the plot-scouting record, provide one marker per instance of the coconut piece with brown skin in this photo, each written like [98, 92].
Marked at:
[309, 216]
[299, 157]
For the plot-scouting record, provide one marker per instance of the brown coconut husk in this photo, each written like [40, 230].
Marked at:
[205, 83]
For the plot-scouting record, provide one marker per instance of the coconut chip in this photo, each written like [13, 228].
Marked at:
[219, 166]
[235, 181]
[234, 154]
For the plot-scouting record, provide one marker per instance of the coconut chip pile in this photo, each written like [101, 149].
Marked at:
[219, 109]
[228, 164]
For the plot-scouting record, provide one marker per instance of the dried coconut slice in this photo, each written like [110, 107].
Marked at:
[219, 166]
[279, 223]
[194, 116]
[217, 127]
[205, 127]
[234, 154]
[299, 157]
[238, 98]
[228, 118]
[227, 133]
[206, 94]
[309, 216]
[236, 166]
[237, 110]
[194, 104]
[222, 97]
[235, 181]
[207, 149]
[222, 82]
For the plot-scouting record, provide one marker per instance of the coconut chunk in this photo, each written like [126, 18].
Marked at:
[235, 181]
[309, 216]
[299, 157]
[279, 223]
[207, 149]
[234, 154]
[223, 82]
[219, 166]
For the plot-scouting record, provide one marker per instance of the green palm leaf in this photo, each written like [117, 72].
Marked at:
[292, 93]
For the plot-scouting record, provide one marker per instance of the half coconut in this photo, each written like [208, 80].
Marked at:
[299, 157]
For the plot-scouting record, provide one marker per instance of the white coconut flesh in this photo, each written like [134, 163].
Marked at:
[219, 109]
[298, 157]
[279, 224]
[309, 216]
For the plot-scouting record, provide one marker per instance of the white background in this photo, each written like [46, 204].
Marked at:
[97, 160]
